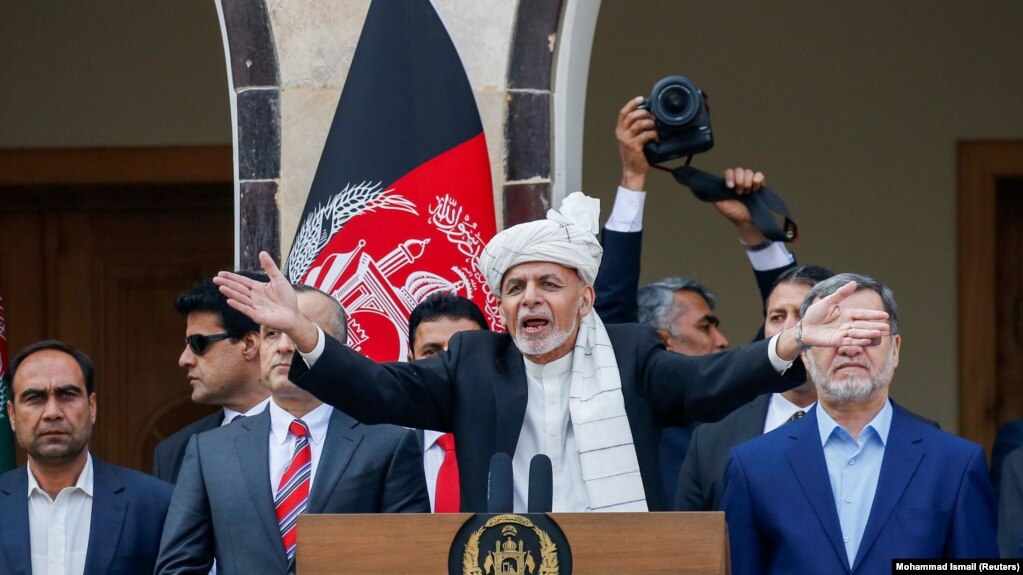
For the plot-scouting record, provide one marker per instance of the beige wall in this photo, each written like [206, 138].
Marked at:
[853, 110]
[111, 73]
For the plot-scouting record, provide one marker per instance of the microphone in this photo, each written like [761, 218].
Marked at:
[541, 484]
[499, 484]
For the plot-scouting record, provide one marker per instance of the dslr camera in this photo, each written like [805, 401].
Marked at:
[682, 119]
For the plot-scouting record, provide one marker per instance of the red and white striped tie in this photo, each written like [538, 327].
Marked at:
[293, 492]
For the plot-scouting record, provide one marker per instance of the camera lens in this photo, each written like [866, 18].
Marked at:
[676, 104]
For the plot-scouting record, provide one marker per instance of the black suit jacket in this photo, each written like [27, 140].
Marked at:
[1009, 439]
[702, 476]
[128, 509]
[223, 503]
[1010, 507]
[168, 453]
[477, 390]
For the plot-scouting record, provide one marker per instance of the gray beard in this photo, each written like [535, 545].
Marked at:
[546, 344]
[848, 390]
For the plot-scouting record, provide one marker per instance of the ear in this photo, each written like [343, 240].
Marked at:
[588, 297]
[665, 336]
[92, 407]
[251, 349]
[10, 415]
[896, 346]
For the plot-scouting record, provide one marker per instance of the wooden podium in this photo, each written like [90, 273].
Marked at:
[601, 543]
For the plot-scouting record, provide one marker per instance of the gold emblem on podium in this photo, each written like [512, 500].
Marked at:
[510, 553]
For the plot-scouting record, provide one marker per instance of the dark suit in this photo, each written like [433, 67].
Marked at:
[477, 390]
[223, 503]
[1010, 507]
[933, 500]
[703, 470]
[1009, 439]
[616, 287]
[168, 453]
[128, 510]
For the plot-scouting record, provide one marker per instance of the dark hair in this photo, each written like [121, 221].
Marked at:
[444, 305]
[88, 372]
[206, 296]
[803, 275]
[338, 326]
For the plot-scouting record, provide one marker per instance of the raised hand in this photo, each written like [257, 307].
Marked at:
[743, 181]
[634, 129]
[827, 323]
[272, 304]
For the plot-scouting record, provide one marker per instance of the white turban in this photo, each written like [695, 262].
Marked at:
[567, 238]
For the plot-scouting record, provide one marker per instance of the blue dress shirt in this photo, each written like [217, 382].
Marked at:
[854, 467]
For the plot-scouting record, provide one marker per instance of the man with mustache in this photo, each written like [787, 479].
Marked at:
[66, 511]
[857, 482]
[559, 383]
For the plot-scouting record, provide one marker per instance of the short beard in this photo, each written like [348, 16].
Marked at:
[849, 390]
[553, 339]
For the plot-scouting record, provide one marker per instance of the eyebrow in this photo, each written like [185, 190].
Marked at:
[40, 391]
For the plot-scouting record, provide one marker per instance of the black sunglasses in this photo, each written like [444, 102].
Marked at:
[199, 342]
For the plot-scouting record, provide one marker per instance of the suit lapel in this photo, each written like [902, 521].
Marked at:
[752, 424]
[902, 456]
[108, 510]
[510, 395]
[806, 456]
[14, 521]
[253, 451]
[338, 447]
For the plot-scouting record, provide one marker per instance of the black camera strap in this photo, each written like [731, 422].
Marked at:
[710, 188]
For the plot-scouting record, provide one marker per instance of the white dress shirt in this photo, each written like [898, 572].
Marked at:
[433, 458]
[547, 429]
[59, 528]
[230, 415]
[780, 410]
[282, 443]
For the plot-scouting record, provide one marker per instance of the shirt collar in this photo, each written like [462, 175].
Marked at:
[84, 484]
[555, 368]
[430, 437]
[782, 404]
[230, 414]
[316, 420]
[881, 424]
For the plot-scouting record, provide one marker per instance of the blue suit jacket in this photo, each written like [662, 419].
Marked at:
[128, 510]
[933, 500]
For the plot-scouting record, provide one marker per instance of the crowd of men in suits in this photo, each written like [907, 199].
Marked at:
[815, 467]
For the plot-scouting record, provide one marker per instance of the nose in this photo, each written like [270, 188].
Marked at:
[187, 358]
[52, 410]
[285, 344]
[720, 341]
[790, 322]
[530, 294]
[850, 350]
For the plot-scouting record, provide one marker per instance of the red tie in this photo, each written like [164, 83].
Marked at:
[293, 492]
[446, 499]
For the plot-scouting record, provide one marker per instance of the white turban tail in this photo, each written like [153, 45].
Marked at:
[567, 238]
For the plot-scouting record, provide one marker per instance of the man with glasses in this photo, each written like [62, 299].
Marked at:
[221, 358]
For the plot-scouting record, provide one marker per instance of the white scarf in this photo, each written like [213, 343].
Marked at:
[610, 468]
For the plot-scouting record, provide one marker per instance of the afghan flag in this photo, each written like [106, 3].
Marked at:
[7, 460]
[401, 204]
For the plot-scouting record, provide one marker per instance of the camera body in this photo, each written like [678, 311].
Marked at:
[682, 119]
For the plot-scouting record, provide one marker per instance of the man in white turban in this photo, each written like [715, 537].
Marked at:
[560, 383]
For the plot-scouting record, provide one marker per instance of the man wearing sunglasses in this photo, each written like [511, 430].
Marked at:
[221, 359]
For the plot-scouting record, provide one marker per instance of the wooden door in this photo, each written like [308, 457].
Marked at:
[99, 266]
